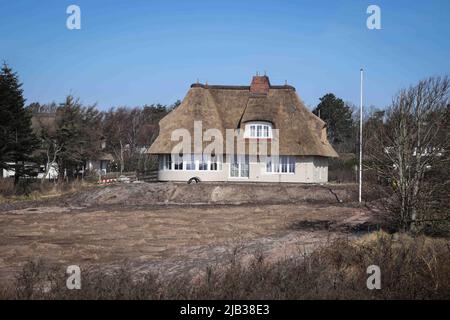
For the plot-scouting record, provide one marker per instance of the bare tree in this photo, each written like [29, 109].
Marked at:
[128, 131]
[49, 144]
[116, 131]
[412, 141]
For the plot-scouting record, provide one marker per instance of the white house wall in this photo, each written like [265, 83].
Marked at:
[307, 170]
[95, 166]
[7, 173]
[52, 173]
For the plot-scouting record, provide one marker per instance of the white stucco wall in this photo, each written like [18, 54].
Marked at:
[307, 170]
[7, 173]
[98, 166]
[52, 174]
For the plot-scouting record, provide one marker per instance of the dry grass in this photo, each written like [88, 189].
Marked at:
[411, 268]
[35, 190]
[158, 234]
[164, 243]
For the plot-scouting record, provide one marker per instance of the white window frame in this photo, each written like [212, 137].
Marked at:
[203, 162]
[214, 163]
[190, 162]
[282, 165]
[210, 162]
[177, 162]
[243, 165]
[258, 130]
[167, 162]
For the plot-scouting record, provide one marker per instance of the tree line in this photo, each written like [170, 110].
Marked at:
[70, 133]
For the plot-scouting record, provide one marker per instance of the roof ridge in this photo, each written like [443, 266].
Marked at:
[236, 87]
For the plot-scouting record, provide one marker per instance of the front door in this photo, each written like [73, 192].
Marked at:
[239, 167]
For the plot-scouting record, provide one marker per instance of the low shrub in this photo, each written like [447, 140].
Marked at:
[343, 169]
[32, 189]
[411, 268]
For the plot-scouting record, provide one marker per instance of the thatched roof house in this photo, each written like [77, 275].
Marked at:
[258, 110]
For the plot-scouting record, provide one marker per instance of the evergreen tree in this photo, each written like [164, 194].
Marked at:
[17, 140]
[69, 137]
[338, 117]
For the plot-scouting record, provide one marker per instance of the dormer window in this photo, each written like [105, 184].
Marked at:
[258, 130]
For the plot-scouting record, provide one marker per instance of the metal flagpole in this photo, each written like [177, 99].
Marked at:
[360, 135]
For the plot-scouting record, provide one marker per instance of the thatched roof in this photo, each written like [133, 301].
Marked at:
[104, 156]
[230, 107]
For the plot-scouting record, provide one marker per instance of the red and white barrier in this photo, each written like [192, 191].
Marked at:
[107, 181]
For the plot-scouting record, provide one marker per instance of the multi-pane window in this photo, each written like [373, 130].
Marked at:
[239, 167]
[167, 162]
[161, 159]
[258, 130]
[282, 164]
[244, 167]
[213, 163]
[234, 169]
[178, 162]
[203, 162]
[208, 162]
[190, 162]
[269, 164]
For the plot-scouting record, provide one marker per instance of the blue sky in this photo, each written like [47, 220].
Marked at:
[136, 52]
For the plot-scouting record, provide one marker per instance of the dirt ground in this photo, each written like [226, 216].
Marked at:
[176, 228]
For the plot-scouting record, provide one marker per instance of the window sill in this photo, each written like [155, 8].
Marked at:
[282, 173]
[190, 170]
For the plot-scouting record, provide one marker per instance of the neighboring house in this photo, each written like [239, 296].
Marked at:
[258, 109]
[52, 173]
[40, 171]
[426, 152]
[98, 164]
[8, 173]
[101, 164]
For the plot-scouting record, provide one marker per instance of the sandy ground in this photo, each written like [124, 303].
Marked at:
[105, 227]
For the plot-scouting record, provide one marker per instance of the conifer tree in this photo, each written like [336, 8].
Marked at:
[17, 140]
[338, 117]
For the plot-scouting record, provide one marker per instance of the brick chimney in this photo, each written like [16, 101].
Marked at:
[260, 85]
